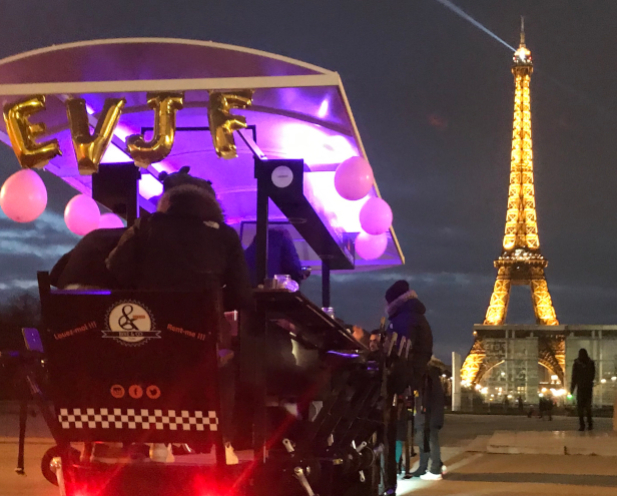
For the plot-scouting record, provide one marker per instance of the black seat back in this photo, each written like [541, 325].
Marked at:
[133, 366]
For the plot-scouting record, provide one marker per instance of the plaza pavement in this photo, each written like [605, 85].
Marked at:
[472, 470]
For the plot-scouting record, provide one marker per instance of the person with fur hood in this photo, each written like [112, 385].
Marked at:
[185, 246]
[406, 318]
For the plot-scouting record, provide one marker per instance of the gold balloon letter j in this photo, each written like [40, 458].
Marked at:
[165, 106]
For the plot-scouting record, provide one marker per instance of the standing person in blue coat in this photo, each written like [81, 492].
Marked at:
[406, 319]
[406, 315]
[429, 418]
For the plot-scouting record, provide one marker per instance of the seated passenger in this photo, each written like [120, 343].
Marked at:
[187, 246]
[282, 257]
[84, 266]
[182, 247]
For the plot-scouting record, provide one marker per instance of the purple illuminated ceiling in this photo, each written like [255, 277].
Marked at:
[311, 122]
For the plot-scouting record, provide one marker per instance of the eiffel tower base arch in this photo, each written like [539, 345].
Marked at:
[505, 360]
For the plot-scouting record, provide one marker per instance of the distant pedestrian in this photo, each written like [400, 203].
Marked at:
[546, 407]
[521, 405]
[583, 375]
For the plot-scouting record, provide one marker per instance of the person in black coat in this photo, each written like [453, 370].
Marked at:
[583, 375]
[84, 266]
[429, 419]
[406, 315]
[185, 246]
[406, 319]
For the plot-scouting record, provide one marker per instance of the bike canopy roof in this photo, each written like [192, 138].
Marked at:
[299, 111]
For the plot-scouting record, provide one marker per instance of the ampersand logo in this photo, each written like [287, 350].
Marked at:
[131, 324]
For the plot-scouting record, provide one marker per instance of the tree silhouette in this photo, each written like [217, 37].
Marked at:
[22, 310]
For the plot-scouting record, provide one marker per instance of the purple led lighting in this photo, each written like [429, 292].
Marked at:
[114, 155]
[323, 109]
[316, 145]
[89, 109]
[82, 292]
[341, 213]
[149, 186]
[122, 131]
[345, 355]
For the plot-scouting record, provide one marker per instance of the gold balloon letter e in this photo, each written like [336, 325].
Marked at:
[165, 106]
[223, 123]
[23, 134]
[89, 149]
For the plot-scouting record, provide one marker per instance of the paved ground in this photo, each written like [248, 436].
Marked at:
[509, 475]
[459, 429]
[469, 473]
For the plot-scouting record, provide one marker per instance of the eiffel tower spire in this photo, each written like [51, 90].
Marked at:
[521, 261]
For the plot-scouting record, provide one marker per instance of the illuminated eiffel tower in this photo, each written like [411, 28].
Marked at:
[520, 262]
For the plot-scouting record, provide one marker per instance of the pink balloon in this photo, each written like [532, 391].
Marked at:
[110, 221]
[23, 196]
[353, 179]
[82, 215]
[371, 247]
[376, 216]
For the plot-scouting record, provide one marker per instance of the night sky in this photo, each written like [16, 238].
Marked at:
[433, 97]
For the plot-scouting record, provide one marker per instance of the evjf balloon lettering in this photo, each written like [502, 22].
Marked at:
[89, 147]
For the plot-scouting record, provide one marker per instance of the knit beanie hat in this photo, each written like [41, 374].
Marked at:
[397, 289]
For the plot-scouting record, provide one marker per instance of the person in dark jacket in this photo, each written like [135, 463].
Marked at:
[84, 266]
[406, 315]
[583, 375]
[282, 257]
[429, 419]
[406, 319]
[186, 246]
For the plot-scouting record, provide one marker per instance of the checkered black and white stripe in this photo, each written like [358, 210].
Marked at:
[117, 418]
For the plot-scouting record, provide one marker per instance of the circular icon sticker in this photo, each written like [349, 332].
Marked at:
[117, 391]
[282, 176]
[153, 392]
[136, 392]
[131, 324]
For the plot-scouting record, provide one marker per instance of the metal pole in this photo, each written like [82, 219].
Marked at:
[325, 284]
[261, 237]
[456, 382]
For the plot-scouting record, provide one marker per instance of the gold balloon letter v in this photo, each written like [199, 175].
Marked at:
[89, 149]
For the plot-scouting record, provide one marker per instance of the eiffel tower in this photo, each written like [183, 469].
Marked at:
[520, 262]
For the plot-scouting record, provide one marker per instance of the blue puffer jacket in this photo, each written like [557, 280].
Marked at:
[282, 257]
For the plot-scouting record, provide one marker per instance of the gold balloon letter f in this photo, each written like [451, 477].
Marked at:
[223, 123]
